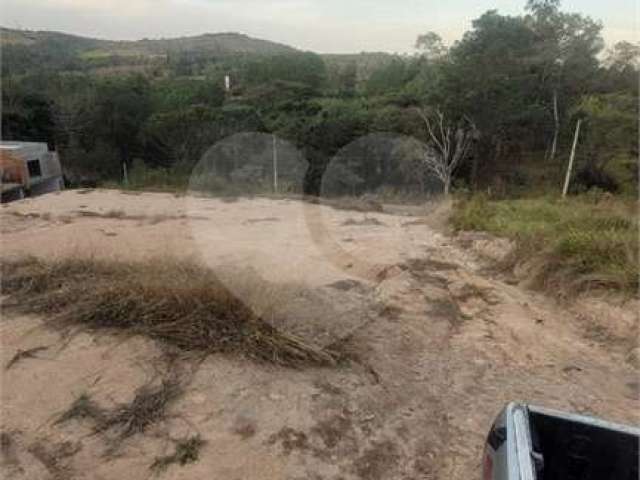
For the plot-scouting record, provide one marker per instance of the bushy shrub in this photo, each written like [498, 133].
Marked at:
[592, 176]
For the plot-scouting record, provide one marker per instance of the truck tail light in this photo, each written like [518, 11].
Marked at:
[487, 466]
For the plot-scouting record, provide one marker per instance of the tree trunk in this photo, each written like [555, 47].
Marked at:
[447, 186]
[556, 127]
[474, 172]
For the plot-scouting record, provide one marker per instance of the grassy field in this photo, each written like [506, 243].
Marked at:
[579, 243]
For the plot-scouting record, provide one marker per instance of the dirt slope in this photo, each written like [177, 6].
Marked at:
[441, 344]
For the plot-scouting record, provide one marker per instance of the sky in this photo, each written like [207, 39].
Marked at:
[323, 26]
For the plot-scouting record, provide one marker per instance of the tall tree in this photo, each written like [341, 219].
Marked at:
[623, 56]
[565, 57]
[488, 78]
[122, 107]
[430, 45]
[448, 143]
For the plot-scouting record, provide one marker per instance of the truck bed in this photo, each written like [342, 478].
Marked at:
[568, 447]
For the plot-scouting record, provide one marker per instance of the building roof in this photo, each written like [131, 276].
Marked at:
[17, 145]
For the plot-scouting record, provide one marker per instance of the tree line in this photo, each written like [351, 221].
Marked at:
[498, 108]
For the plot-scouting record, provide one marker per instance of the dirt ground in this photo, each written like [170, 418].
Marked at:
[442, 344]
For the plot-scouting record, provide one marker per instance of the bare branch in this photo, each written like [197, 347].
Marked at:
[449, 145]
[427, 122]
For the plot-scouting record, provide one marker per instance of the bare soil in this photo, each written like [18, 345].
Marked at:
[441, 344]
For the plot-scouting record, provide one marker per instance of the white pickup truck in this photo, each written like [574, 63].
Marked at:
[532, 443]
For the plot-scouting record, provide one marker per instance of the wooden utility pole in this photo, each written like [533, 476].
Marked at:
[275, 164]
[571, 159]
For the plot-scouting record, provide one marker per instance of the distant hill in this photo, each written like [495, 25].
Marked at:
[26, 51]
[213, 43]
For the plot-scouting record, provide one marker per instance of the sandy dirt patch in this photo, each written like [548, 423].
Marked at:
[441, 345]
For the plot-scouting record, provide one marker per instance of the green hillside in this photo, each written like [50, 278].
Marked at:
[215, 43]
[25, 50]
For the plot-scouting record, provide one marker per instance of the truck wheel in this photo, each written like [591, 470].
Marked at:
[20, 194]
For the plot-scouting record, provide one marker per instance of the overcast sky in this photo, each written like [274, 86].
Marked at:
[319, 25]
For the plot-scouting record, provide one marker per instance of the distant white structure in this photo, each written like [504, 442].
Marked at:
[227, 83]
[28, 168]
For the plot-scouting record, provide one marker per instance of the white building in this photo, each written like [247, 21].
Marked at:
[28, 168]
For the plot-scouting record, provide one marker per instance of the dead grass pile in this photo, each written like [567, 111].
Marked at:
[179, 303]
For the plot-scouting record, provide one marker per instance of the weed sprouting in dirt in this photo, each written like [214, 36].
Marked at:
[149, 406]
[178, 303]
[83, 407]
[186, 451]
[22, 354]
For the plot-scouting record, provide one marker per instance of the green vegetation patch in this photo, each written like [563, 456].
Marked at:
[589, 240]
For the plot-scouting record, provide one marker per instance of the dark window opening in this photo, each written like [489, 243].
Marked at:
[34, 168]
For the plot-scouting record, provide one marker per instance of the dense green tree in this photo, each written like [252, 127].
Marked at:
[26, 113]
[390, 78]
[430, 45]
[489, 80]
[306, 68]
[611, 127]
[122, 106]
[176, 93]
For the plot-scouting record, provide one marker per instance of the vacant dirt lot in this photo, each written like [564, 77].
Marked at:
[439, 345]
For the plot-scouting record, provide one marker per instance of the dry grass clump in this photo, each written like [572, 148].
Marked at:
[25, 215]
[365, 222]
[22, 354]
[186, 451]
[83, 408]
[180, 303]
[115, 214]
[122, 215]
[148, 407]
